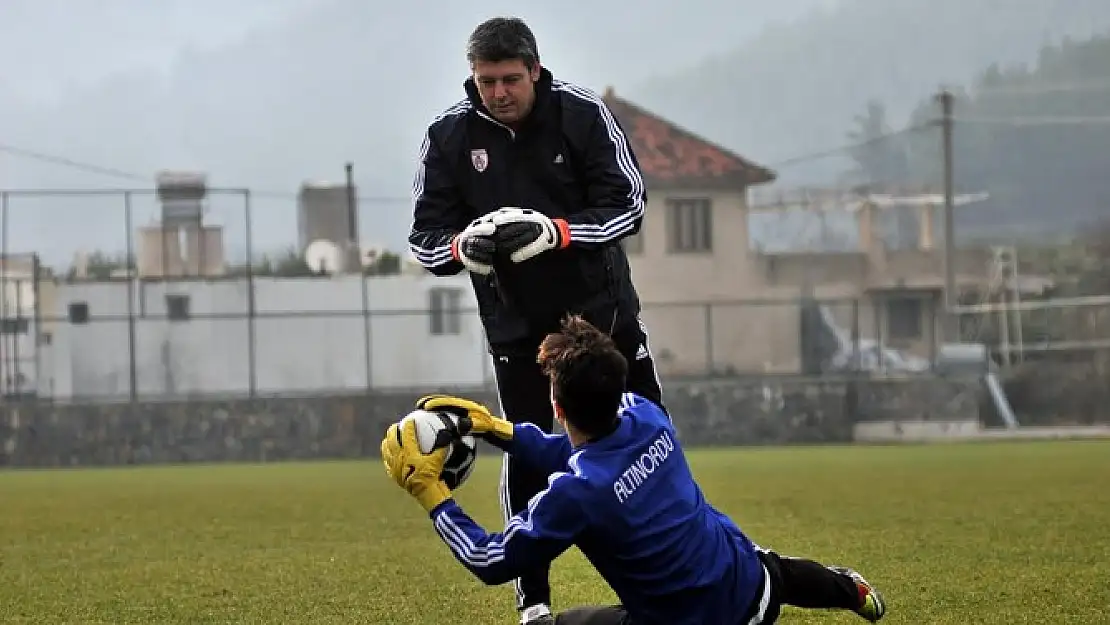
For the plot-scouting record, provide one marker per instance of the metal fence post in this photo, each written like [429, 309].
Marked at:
[5, 368]
[934, 340]
[364, 286]
[36, 312]
[366, 335]
[252, 372]
[708, 338]
[132, 274]
[878, 322]
[16, 365]
[856, 356]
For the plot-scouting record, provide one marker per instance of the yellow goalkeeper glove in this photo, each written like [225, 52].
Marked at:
[416, 472]
[474, 418]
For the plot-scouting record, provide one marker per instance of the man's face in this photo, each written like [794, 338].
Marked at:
[507, 88]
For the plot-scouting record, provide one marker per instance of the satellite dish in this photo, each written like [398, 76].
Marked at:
[323, 256]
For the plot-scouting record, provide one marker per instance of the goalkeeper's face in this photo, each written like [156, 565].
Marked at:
[576, 437]
[507, 88]
[557, 410]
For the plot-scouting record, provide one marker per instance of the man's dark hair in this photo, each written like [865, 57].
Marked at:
[503, 39]
[587, 372]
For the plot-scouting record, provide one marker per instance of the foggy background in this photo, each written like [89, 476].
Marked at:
[266, 94]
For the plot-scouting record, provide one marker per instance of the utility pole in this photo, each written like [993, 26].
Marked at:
[355, 256]
[950, 295]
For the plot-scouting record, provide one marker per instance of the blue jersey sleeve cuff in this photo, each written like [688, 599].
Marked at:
[447, 505]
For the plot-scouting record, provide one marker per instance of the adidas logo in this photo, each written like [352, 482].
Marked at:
[642, 352]
[558, 159]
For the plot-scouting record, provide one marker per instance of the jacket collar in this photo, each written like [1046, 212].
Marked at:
[613, 439]
[543, 98]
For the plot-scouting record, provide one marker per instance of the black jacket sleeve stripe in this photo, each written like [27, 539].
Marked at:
[436, 218]
[611, 224]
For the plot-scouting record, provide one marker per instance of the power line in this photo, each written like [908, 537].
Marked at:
[1038, 120]
[367, 199]
[845, 148]
[284, 195]
[1090, 86]
[113, 172]
[68, 162]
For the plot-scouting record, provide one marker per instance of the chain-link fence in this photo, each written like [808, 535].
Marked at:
[161, 305]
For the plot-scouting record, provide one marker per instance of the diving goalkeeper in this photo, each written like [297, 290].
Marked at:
[621, 491]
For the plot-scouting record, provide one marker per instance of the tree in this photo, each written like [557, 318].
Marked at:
[290, 264]
[287, 264]
[1035, 138]
[100, 265]
[880, 155]
[386, 264]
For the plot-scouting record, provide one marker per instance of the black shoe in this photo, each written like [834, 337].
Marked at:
[872, 606]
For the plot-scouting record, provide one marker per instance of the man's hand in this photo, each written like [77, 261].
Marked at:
[414, 471]
[474, 418]
[475, 247]
[524, 233]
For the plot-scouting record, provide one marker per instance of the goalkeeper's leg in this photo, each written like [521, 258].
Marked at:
[594, 615]
[525, 395]
[807, 584]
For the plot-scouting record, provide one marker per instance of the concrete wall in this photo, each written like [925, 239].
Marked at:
[735, 412]
[309, 336]
[1061, 393]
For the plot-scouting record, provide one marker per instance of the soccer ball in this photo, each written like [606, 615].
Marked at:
[437, 429]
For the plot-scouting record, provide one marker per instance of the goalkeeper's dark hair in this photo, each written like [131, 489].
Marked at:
[587, 372]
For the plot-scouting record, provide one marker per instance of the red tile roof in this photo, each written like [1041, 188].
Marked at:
[674, 158]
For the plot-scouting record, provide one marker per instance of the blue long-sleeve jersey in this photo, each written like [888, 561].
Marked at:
[630, 504]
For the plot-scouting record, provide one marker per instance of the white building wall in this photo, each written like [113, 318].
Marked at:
[309, 335]
[18, 364]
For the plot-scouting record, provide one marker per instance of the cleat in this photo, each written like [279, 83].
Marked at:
[872, 607]
[538, 614]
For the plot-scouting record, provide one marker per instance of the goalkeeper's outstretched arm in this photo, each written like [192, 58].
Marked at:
[546, 453]
[539, 534]
[543, 453]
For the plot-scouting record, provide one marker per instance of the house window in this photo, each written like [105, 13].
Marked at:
[633, 244]
[903, 318]
[177, 307]
[444, 305]
[79, 312]
[689, 226]
[14, 325]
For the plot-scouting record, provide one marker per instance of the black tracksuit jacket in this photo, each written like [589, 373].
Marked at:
[570, 160]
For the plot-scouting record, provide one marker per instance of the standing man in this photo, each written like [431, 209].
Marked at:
[530, 184]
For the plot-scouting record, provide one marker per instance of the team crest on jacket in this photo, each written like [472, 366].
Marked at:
[480, 160]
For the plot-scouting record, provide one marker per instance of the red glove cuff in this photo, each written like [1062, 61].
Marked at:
[564, 232]
[455, 247]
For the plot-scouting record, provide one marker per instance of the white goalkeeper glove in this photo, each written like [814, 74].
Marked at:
[524, 233]
[475, 247]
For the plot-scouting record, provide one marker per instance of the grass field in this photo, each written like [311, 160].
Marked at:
[1003, 533]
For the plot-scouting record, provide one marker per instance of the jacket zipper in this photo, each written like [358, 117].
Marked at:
[492, 278]
[512, 133]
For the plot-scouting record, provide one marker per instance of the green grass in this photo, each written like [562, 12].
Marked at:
[992, 533]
